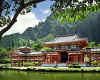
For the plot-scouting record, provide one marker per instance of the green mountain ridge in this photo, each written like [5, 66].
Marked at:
[51, 28]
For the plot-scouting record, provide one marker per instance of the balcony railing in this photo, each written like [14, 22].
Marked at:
[64, 48]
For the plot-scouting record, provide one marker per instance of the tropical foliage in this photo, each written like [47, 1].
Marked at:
[66, 10]
[10, 9]
[46, 49]
[88, 28]
[4, 55]
[74, 10]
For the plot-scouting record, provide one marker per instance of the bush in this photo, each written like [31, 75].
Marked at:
[5, 61]
[74, 66]
[46, 49]
[28, 64]
[94, 62]
[3, 53]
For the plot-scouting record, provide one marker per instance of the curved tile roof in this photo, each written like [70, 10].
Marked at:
[66, 39]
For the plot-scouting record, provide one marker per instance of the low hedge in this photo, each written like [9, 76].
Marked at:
[85, 69]
[74, 66]
[52, 69]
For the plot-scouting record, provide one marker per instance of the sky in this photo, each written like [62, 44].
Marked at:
[31, 19]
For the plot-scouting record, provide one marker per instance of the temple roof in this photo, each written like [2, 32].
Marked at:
[24, 47]
[30, 53]
[93, 50]
[67, 39]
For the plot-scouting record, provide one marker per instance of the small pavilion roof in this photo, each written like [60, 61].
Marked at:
[37, 53]
[24, 47]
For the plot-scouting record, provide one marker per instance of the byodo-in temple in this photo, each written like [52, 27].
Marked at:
[69, 50]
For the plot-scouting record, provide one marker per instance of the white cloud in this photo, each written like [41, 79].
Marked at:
[23, 22]
[80, 0]
[46, 11]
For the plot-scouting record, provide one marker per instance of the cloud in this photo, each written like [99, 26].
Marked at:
[31, 19]
[46, 11]
[23, 22]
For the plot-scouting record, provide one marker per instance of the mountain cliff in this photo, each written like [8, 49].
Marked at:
[51, 28]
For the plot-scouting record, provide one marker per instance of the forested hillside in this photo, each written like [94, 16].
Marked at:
[51, 28]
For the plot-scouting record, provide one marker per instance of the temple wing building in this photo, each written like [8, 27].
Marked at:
[69, 50]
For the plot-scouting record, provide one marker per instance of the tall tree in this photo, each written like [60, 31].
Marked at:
[13, 8]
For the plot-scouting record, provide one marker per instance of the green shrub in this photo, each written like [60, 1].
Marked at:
[75, 65]
[46, 49]
[94, 62]
[28, 64]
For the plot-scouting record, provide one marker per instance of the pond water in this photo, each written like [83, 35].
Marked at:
[22, 75]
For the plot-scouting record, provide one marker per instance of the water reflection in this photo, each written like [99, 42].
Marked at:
[21, 75]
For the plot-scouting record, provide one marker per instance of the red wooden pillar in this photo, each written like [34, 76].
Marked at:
[82, 59]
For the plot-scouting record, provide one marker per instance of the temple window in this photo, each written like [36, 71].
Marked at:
[56, 48]
[67, 47]
[63, 47]
[75, 47]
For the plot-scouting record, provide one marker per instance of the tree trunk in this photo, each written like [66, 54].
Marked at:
[12, 22]
[16, 15]
[1, 6]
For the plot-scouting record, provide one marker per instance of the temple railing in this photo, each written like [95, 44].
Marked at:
[70, 49]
